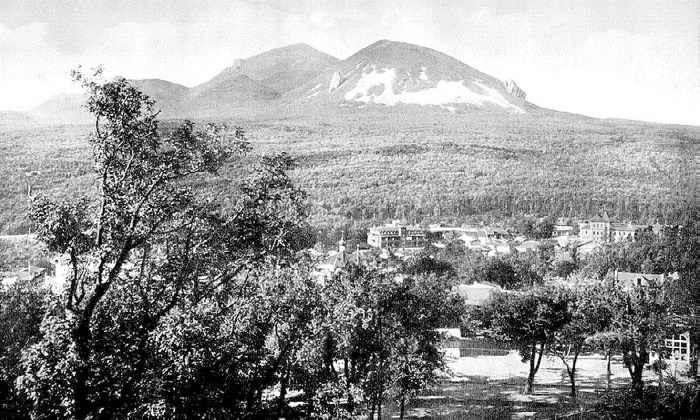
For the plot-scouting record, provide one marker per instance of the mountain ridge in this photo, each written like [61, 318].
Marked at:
[384, 73]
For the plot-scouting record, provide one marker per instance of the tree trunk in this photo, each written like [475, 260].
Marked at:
[402, 408]
[379, 409]
[637, 382]
[81, 337]
[250, 397]
[572, 372]
[534, 366]
[283, 393]
[609, 372]
[531, 374]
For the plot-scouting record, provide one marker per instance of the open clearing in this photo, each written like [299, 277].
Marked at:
[490, 387]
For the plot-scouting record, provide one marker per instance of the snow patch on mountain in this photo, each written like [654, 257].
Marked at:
[318, 86]
[422, 74]
[378, 87]
[336, 80]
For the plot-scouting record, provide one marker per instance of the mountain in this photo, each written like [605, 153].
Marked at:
[167, 95]
[281, 69]
[69, 108]
[301, 77]
[218, 97]
[261, 78]
[390, 73]
[64, 108]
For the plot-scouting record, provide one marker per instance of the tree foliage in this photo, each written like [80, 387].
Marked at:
[530, 319]
[150, 260]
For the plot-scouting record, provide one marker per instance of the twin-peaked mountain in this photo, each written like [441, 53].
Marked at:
[385, 73]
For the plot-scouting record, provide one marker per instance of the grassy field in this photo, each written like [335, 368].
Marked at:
[490, 387]
[364, 166]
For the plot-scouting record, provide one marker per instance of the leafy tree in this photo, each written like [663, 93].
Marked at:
[535, 228]
[589, 312]
[385, 332]
[642, 320]
[150, 256]
[425, 263]
[498, 270]
[530, 319]
[22, 307]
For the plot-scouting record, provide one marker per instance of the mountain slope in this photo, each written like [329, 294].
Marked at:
[390, 73]
[167, 95]
[219, 97]
[281, 69]
[69, 108]
[64, 108]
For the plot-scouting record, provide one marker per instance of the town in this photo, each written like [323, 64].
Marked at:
[399, 251]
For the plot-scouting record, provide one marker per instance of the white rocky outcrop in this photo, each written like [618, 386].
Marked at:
[514, 90]
[336, 81]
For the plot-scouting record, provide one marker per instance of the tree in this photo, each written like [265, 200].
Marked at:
[642, 320]
[589, 312]
[147, 249]
[385, 332]
[498, 270]
[530, 319]
[22, 307]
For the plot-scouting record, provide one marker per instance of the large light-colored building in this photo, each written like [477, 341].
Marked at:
[397, 236]
[604, 229]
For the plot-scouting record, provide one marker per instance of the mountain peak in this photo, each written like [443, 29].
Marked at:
[390, 73]
[280, 69]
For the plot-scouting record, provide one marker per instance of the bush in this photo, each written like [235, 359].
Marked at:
[673, 401]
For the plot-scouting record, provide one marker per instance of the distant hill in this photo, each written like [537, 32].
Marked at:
[391, 73]
[281, 69]
[167, 95]
[64, 108]
[15, 119]
[220, 97]
[262, 78]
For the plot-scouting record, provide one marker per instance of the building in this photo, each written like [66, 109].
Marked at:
[596, 229]
[624, 232]
[339, 260]
[477, 294]
[563, 227]
[397, 236]
[629, 280]
[528, 246]
[604, 229]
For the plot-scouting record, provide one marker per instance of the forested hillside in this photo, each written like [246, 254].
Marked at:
[365, 165]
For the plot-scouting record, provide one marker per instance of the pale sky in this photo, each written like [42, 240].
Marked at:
[624, 59]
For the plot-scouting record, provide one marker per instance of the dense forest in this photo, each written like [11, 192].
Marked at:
[365, 166]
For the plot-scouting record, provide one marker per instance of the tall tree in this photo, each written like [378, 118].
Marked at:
[147, 245]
